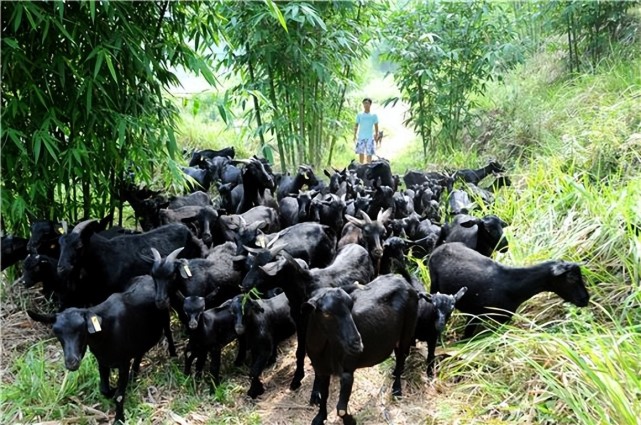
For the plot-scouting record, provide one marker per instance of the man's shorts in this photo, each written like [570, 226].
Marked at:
[365, 146]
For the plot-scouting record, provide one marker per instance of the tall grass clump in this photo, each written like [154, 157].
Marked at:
[41, 389]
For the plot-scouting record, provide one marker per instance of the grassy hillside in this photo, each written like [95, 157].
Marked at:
[572, 145]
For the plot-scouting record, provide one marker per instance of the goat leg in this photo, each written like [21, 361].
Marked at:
[347, 381]
[190, 354]
[105, 389]
[299, 374]
[261, 357]
[431, 348]
[400, 353]
[242, 350]
[169, 336]
[123, 379]
[315, 398]
[323, 386]
[214, 367]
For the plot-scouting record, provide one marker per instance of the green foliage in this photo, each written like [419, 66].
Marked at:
[83, 102]
[445, 51]
[590, 27]
[296, 79]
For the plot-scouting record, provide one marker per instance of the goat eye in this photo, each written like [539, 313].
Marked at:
[326, 315]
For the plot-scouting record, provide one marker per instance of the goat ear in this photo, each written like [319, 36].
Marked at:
[308, 307]
[467, 223]
[93, 323]
[460, 293]
[561, 268]
[42, 318]
[180, 296]
[272, 269]
[426, 297]
[354, 220]
[327, 173]
[210, 297]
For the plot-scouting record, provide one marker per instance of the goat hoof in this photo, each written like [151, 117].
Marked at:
[397, 392]
[294, 385]
[315, 399]
[109, 392]
[255, 392]
[319, 419]
[348, 420]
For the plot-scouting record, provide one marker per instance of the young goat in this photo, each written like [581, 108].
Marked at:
[209, 331]
[122, 328]
[493, 286]
[264, 324]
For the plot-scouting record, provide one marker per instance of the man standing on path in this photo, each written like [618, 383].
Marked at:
[365, 131]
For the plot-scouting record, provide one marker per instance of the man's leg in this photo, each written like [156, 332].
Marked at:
[369, 159]
[361, 157]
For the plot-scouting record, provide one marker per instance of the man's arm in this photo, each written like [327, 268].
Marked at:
[355, 130]
[376, 135]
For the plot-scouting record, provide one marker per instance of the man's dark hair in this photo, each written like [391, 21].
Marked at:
[367, 99]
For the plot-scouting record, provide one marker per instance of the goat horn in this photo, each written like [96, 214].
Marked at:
[383, 216]
[157, 257]
[174, 254]
[276, 249]
[354, 220]
[273, 241]
[252, 250]
[366, 217]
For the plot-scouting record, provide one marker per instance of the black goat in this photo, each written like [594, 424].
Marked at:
[122, 328]
[145, 202]
[209, 332]
[255, 180]
[198, 276]
[198, 199]
[198, 156]
[368, 233]
[351, 265]
[475, 176]
[288, 184]
[95, 267]
[484, 235]
[264, 324]
[496, 290]
[14, 249]
[40, 268]
[434, 311]
[203, 178]
[202, 220]
[346, 332]
[311, 242]
[459, 202]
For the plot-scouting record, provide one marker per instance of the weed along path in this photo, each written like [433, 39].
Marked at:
[396, 136]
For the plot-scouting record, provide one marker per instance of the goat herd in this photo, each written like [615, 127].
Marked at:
[268, 260]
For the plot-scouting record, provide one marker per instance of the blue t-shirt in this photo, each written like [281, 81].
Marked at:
[366, 123]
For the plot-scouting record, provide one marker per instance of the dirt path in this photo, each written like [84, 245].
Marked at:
[396, 136]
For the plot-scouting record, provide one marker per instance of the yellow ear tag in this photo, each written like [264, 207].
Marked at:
[95, 323]
[61, 230]
[260, 241]
[186, 267]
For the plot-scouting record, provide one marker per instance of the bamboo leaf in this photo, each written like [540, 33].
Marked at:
[111, 67]
[99, 58]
